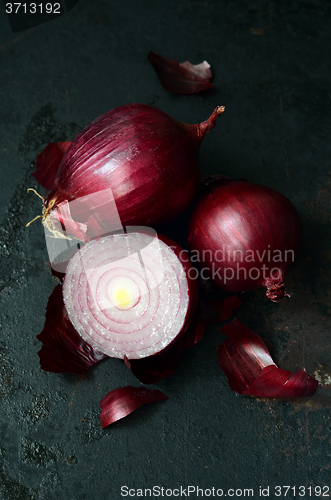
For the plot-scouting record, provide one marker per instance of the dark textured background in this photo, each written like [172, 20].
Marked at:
[271, 62]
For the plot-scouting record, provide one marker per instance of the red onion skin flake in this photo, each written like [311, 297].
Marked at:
[119, 403]
[273, 382]
[63, 350]
[181, 78]
[250, 370]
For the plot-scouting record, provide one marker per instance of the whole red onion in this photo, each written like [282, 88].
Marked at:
[130, 295]
[145, 157]
[245, 236]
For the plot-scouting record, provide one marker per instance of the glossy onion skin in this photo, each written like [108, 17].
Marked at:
[149, 159]
[242, 217]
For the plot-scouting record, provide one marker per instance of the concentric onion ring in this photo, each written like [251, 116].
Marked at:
[126, 294]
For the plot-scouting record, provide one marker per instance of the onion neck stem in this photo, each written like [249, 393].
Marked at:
[204, 127]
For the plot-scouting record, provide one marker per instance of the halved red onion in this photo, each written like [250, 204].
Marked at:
[119, 403]
[128, 295]
[144, 157]
[181, 78]
[246, 361]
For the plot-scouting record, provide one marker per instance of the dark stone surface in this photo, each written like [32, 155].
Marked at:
[272, 71]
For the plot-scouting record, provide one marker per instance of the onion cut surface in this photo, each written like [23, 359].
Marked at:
[246, 361]
[127, 295]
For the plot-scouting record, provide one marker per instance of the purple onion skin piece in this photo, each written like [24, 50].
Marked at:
[119, 403]
[274, 382]
[63, 350]
[181, 78]
[246, 361]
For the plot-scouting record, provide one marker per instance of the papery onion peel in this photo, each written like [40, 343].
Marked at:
[181, 78]
[119, 403]
[63, 349]
[246, 361]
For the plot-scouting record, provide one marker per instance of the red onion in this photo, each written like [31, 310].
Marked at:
[129, 295]
[145, 158]
[65, 351]
[245, 236]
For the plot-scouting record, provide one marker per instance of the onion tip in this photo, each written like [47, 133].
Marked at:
[220, 110]
[204, 127]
